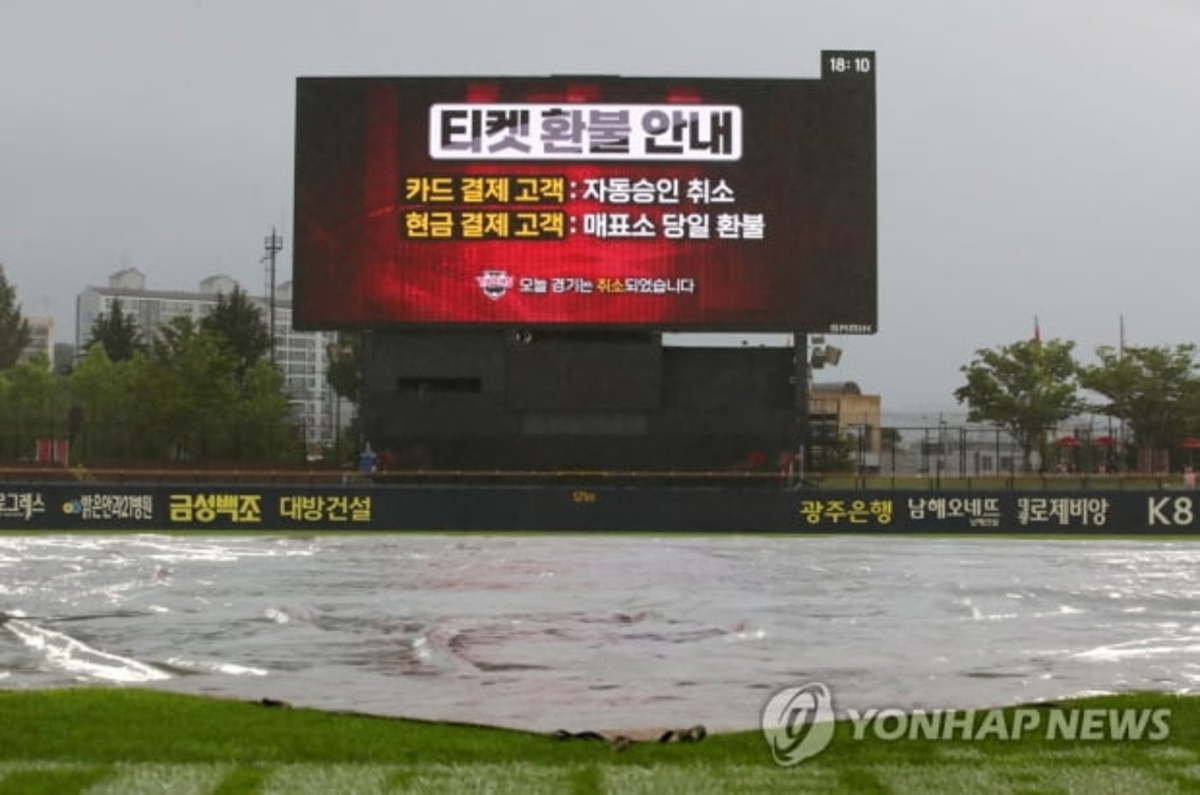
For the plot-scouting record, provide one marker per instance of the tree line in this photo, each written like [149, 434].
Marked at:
[198, 391]
[1031, 387]
[205, 391]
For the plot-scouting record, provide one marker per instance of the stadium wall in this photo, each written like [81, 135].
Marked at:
[157, 507]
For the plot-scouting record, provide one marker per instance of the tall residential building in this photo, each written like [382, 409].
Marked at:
[301, 355]
[41, 338]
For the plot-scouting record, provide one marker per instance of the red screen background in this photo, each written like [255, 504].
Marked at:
[808, 166]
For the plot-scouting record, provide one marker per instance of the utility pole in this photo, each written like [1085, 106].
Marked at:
[1121, 358]
[273, 244]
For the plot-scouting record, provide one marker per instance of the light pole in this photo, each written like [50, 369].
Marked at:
[941, 449]
[273, 244]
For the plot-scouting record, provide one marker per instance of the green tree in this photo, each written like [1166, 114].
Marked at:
[110, 413]
[200, 406]
[203, 383]
[189, 390]
[181, 399]
[95, 393]
[836, 453]
[1155, 390]
[172, 338]
[345, 365]
[344, 374]
[14, 328]
[1191, 408]
[32, 404]
[267, 432]
[240, 325]
[118, 332]
[1026, 387]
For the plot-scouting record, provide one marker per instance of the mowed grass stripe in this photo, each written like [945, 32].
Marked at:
[59, 778]
[243, 779]
[51, 780]
[331, 779]
[519, 778]
[1027, 778]
[149, 777]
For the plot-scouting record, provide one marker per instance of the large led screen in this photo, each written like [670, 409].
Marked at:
[588, 201]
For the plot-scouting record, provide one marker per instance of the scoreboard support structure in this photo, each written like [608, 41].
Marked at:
[520, 400]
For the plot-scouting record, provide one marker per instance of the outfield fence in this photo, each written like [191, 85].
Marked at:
[106, 506]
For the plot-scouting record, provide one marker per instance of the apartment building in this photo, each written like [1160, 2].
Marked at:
[301, 355]
[41, 338]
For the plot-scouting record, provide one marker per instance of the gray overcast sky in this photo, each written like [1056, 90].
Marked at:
[1035, 156]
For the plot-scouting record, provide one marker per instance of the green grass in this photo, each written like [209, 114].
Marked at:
[129, 741]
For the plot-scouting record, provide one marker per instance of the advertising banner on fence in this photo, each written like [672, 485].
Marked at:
[94, 506]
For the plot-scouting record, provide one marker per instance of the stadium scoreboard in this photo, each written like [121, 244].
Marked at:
[588, 201]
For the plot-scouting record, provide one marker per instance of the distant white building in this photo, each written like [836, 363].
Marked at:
[301, 355]
[41, 338]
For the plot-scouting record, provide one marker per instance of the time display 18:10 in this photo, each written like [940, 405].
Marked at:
[839, 64]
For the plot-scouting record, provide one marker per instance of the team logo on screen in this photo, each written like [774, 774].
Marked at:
[494, 283]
